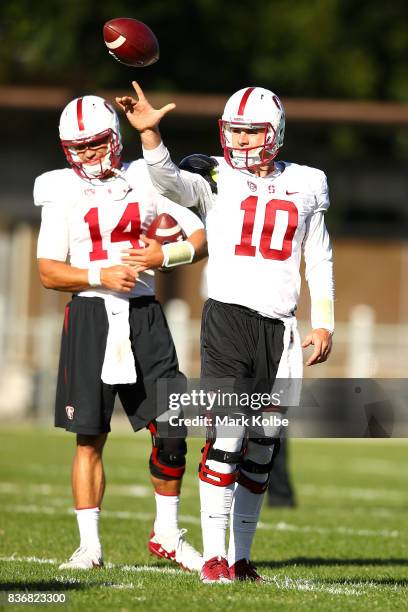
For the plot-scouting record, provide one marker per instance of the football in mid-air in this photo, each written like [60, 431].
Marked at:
[164, 228]
[131, 42]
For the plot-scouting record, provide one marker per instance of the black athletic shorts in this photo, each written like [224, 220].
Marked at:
[239, 343]
[84, 404]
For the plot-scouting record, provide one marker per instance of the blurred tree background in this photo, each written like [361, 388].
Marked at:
[310, 49]
[300, 48]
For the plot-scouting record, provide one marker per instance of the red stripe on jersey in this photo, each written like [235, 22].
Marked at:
[244, 100]
[79, 114]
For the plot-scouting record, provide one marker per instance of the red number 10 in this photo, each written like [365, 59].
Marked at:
[246, 248]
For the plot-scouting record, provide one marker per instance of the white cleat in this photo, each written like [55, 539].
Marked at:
[174, 547]
[83, 558]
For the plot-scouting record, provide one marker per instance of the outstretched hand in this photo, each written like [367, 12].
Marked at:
[140, 113]
[321, 339]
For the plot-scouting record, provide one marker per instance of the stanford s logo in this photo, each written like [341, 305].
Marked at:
[70, 412]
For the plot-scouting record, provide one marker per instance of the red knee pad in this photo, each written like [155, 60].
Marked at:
[255, 487]
[211, 476]
[167, 460]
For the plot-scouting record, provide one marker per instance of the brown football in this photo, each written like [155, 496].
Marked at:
[164, 228]
[131, 42]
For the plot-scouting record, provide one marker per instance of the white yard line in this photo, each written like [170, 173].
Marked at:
[326, 491]
[353, 492]
[279, 582]
[371, 442]
[186, 518]
[300, 584]
[378, 467]
[283, 526]
[14, 487]
[146, 568]
[49, 490]
[30, 560]
[125, 568]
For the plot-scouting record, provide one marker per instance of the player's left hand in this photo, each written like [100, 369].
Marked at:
[150, 257]
[321, 339]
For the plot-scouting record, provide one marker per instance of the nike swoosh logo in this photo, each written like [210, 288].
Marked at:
[116, 313]
[249, 522]
[291, 192]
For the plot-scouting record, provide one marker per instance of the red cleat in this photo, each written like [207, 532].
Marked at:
[175, 548]
[215, 570]
[244, 570]
[156, 548]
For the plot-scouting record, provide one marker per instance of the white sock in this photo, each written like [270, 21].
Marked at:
[166, 513]
[88, 525]
[216, 502]
[247, 506]
[215, 510]
[244, 519]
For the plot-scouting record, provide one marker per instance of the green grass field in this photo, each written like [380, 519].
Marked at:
[344, 547]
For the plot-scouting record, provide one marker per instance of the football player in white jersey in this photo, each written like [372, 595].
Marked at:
[264, 214]
[115, 338]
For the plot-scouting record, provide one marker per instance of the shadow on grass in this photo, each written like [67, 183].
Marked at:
[42, 585]
[358, 581]
[319, 561]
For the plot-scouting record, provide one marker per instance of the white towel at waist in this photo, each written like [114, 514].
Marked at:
[119, 363]
[288, 381]
[291, 362]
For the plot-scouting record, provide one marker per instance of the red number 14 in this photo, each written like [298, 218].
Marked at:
[119, 234]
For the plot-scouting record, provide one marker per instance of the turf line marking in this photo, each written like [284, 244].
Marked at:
[354, 493]
[48, 489]
[282, 583]
[282, 526]
[145, 491]
[300, 584]
[65, 580]
[30, 560]
[146, 568]
[154, 569]
[185, 518]
[370, 442]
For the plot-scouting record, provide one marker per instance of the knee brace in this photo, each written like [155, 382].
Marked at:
[214, 477]
[258, 448]
[168, 457]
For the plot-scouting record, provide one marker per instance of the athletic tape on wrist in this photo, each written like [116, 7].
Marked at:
[323, 314]
[94, 277]
[177, 253]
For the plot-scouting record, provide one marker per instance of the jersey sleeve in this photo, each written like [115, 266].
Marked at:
[185, 188]
[321, 192]
[53, 239]
[318, 257]
[188, 221]
[316, 243]
[319, 271]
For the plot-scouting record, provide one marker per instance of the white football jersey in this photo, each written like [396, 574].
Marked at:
[256, 228]
[90, 223]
